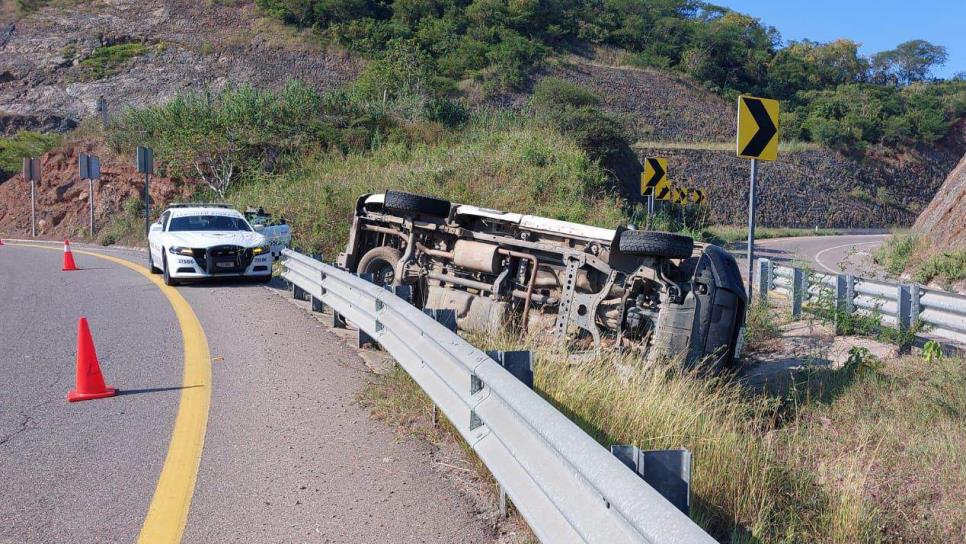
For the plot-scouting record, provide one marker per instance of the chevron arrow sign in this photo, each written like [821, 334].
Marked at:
[757, 128]
[655, 173]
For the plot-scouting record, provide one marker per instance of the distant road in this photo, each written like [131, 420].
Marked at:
[850, 253]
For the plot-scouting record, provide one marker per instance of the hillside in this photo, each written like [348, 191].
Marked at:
[55, 63]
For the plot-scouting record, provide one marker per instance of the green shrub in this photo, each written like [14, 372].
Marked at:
[551, 93]
[948, 267]
[109, 60]
[896, 253]
[25, 143]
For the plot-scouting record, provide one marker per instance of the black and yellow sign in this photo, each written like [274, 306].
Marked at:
[757, 128]
[696, 196]
[679, 196]
[655, 173]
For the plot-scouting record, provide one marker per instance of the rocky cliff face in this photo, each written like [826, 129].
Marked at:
[943, 222]
[45, 83]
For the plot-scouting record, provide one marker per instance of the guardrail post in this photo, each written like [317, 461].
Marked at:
[915, 291]
[297, 292]
[518, 363]
[764, 279]
[799, 289]
[667, 471]
[447, 318]
[317, 305]
[904, 306]
[363, 339]
[844, 291]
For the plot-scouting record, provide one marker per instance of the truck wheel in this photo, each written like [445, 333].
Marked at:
[655, 244]
[381, 263]
[408, 203]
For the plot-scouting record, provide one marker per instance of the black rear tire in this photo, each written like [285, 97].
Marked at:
[381, 263]
[655, 244]
[410, 204]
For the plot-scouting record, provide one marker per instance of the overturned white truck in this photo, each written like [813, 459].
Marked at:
[658, 291]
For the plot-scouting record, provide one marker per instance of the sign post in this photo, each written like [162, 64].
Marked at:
[757, 140]
[145, 161]
[102, 109]
[31, 173]
[655, 173]
[90, 169]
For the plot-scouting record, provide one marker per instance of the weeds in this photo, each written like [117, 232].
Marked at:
[24, 143]
[110, 59]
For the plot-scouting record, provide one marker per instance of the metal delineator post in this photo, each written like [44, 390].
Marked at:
[844, 291]
[764, 279]
[751, 226]
[799, 290]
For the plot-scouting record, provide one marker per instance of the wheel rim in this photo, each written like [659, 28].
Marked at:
[383, 273]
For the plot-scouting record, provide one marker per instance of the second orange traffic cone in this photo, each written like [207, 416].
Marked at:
[90, 381]
[68, 258]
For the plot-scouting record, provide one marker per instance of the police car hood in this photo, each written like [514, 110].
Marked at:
[206, 239]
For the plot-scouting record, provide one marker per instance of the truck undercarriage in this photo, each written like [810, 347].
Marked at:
[656, 291]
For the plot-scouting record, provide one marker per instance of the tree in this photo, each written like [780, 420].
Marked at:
[908, 62]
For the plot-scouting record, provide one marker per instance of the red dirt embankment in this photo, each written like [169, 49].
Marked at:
[62, 197]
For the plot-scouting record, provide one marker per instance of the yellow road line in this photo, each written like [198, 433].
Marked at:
[168, 513]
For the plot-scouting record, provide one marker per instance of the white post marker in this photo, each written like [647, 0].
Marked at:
[757, 139]
[31, 173]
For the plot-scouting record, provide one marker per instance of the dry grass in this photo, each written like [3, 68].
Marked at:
[843, 458]
[791, 146]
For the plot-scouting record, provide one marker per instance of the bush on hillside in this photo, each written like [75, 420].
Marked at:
[830, 92]
[25, 143]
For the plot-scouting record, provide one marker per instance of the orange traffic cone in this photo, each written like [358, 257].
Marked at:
[1, 241]
[90, 381]
[68, 258]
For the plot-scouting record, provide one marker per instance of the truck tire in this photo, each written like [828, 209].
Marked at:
[410, 204]
[655, 244]
[381, 263]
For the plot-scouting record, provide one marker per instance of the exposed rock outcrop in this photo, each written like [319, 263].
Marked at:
[943, 222]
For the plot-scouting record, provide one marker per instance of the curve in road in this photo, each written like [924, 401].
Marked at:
[168, 512]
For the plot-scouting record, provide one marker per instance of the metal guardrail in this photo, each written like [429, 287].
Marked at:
[897, 305]
[567, 486]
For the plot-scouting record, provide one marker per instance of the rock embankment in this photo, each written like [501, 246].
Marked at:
[943, 221]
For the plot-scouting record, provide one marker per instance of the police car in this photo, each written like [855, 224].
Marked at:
[196, 241]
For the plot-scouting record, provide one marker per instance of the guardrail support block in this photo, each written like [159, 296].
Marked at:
[297, 292]
[518, 363]
[764, 279]
[904, 306]
[317, 305]
[363, 339]
[799, 288]
[338, 322]
[667, 471]
[915, 307]
[404, 292]
[447, 318]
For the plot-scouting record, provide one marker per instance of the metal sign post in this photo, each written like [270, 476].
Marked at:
[31, 173]
[145, 159]
[752, 201]
[757, 139]
[102, 109]
[90, 169]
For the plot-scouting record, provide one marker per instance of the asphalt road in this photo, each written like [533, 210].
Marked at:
[288, 455]
[827, 254]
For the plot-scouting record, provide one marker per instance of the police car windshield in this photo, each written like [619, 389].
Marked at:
[207, 222]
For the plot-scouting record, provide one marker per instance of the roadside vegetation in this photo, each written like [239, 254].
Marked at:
[845, 455]
[832, 94]
[24, 143]
[907, 252]
[108, 60]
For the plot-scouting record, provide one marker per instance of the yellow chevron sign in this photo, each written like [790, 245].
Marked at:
[757, 128]
[696, 196]
[655, 173]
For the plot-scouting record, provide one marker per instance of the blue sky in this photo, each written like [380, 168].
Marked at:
[876, 24]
